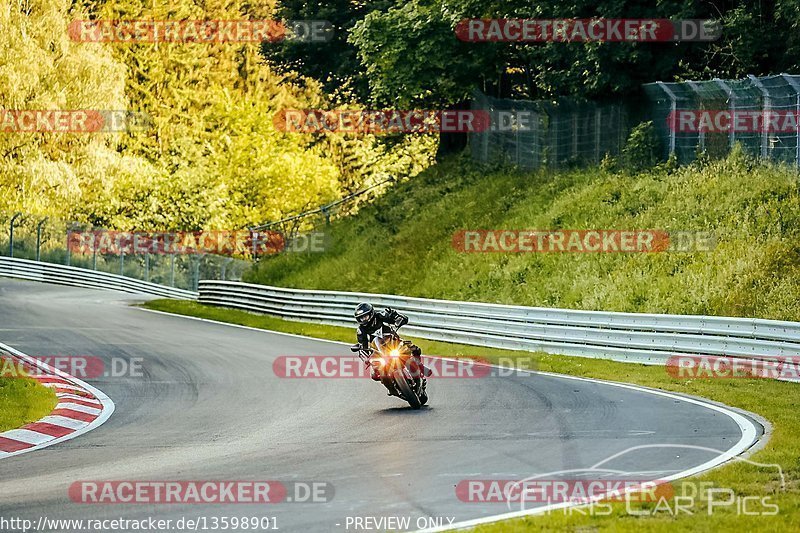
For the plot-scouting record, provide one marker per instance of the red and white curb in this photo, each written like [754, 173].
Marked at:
[81, 408]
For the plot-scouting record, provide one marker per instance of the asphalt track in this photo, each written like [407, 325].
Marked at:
[209, 407]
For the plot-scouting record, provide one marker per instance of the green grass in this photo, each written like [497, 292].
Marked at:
[775, 401]
[23, 401]
[401, 244]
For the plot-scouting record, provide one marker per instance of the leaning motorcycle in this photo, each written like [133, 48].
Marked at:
[395, 365]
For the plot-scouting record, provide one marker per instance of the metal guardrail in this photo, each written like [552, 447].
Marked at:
[633, 337]
[82, 277]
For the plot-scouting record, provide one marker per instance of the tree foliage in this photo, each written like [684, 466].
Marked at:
[408, 52]
[212, 157]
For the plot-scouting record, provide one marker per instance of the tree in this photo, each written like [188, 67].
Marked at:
[334, 63]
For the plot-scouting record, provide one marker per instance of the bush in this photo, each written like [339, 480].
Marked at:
[643, 149]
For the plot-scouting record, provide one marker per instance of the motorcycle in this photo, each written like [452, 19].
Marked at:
[395, 365]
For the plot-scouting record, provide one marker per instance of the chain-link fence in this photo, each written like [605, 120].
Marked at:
[712, 116]
[45, 239]
[532, 134]
[762, 114]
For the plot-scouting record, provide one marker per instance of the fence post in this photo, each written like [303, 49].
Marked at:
[732, 106]
[121, 263]
[598, 119]
[485, 141]
[673, 106]
[536, 127]
[94, 258]
[11, 234]
[766, 108]
[701, 135]
[574, 135]
[516, 140]
[147, 267]
[796, 88]
[553, 135]
[172, 270]
[39, 239]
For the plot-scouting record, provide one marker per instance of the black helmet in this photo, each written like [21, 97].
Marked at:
[364, 313]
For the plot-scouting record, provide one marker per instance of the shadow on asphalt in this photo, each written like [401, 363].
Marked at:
[400, 410]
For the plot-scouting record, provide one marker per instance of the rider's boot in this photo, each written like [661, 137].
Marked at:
[425, 372]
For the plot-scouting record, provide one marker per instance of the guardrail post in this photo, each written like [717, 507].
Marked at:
[225, 264]
[196, 272]
[94, 258]
[11, 234]
[69, 253]
[121, 263]
[172, 270]
[39, 238]
[147, 267]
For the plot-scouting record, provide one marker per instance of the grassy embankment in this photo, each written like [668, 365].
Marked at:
[401, 244]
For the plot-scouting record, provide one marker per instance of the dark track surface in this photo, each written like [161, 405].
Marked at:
[210, 408]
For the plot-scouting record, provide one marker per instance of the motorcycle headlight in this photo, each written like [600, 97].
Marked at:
[394, 353]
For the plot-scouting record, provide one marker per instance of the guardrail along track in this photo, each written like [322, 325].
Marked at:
[82, 277]
[635, 337]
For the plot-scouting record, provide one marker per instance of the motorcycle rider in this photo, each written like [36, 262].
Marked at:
[370, 321]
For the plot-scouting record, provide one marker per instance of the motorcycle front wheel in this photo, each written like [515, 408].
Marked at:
[405, 389]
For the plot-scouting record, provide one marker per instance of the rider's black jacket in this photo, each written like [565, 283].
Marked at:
[389, 316]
